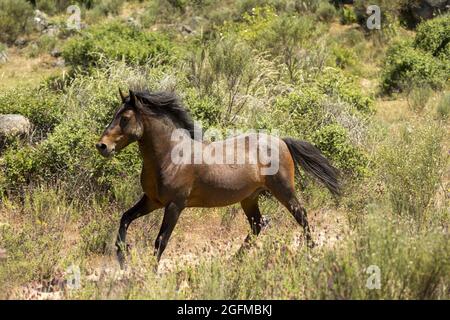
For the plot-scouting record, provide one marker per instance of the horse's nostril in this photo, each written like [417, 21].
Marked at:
[101, 146]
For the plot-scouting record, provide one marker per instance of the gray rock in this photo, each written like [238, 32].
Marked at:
[55, 53]
[186, 29]
[13, 125]
[40, 20]
[133, 22]
[51, 30]
[3, 56]
[20, 42]
[59, 63]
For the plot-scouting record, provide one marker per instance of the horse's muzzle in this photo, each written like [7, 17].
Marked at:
[104, 150]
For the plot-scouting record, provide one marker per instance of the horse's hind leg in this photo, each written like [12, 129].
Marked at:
[141, 208]
[251, 210]
[285, 193]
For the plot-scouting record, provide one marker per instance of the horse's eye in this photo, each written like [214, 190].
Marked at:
[124, 121]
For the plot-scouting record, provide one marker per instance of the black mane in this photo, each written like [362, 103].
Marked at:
[166, 104]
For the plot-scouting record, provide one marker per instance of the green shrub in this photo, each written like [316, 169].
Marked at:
[405, 66]
[348, 15]
[335, 84]
[326, 11]
[334, 142]
[284, 36]
[418, 97]
[344, 57]
[287, 37]
[15, 18]
[203, 108]
[42, 106]
[106, 7]
[310, 120]
[116, 41]
[411, 168]
[226, 69]
[35, 246]
[443, 107]
[45, 44]
[412, 264]
[98, 234]
[433, 36]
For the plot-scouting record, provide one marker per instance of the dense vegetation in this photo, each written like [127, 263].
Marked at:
[306, 70]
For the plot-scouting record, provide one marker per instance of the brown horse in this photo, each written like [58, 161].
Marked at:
[151, 119]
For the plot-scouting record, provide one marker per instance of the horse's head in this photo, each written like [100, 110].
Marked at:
[125, 128]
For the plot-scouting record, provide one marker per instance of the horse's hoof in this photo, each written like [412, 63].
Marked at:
[265, 222]
[311, 244]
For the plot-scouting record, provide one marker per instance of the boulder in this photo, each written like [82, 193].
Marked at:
[13, 125]
[40, 20]
[3, 56]
[51, 30]
[59, 63]
[56, 53]
[20, 42]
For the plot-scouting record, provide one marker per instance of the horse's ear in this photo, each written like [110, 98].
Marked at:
[134, 101]
[122, 96]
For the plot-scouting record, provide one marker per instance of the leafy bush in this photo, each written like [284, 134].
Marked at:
[412, 264]
[117, 41]
[285, 35]
[108, 7]
[42, 106]
[326, 11]
[58, 159]
[405, 65]
[228, 70]
[433, 36]
[309, 119]
[45, 44]
[443, 107]
[15, 18]
[344, 57]
[291, 38]
[34, 247]
[334, 142]
[203, 108]
[98, 234]
[418, 97]
[348, 15]
[333, 83]
[412, 168]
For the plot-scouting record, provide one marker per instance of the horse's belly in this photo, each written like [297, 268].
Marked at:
[219, 197]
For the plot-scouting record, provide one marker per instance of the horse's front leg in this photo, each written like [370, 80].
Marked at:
[141, 208]
[171, 215]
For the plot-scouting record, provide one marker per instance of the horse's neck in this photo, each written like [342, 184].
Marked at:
[156, 145]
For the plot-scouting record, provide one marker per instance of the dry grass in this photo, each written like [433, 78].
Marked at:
[21, 70]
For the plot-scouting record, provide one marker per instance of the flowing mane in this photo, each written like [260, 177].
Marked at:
[166, 104]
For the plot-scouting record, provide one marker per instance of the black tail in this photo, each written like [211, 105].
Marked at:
[312, 161]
